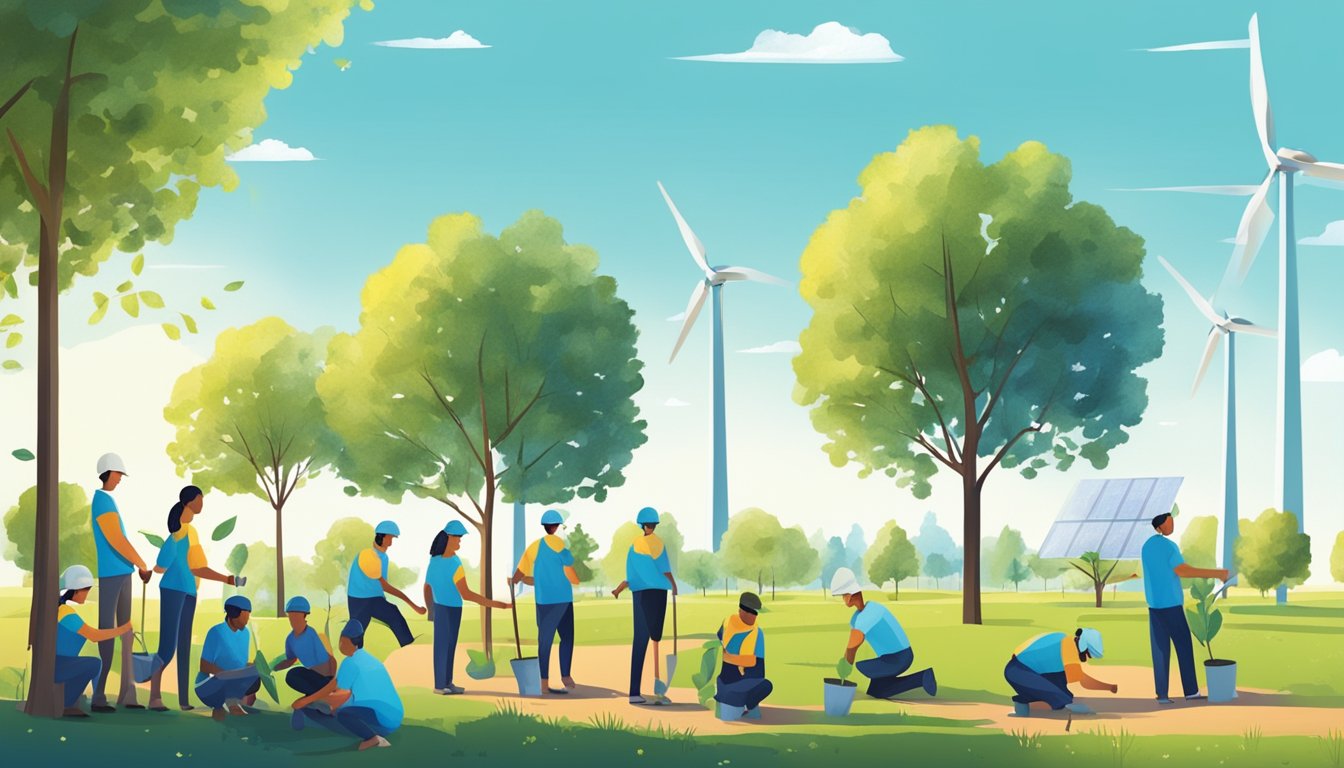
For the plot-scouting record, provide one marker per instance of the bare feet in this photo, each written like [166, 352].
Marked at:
[569, 682]
[235, 709]
[218, 714]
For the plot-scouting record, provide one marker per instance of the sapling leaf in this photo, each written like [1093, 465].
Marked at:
[235, 285]
[224, 529]
[23, 454]
[137, 264]
[154, 539]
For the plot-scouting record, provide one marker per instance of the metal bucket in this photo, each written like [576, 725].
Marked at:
[1221, 677]
[837, 696]
[143, 666]
[528, 674]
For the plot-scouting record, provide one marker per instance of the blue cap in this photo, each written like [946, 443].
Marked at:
[239, 602]
[387, 527]
[1090, 641]
[298, 604]
[647, 516]
[353, 629]
[455, 528]
[552, 517]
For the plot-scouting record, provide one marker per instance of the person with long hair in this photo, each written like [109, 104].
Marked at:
[445, 589]
[75, 671]
[182, 562]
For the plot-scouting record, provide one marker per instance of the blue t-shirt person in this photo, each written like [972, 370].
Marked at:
[549, 562]
[880, 629]
[68, 624]
[307, 647]
[1161, 585]
[110, 562]
[442, 576]
[226, 648]
[646, 564]
[370, 686]
[181, 553]
[365, 572]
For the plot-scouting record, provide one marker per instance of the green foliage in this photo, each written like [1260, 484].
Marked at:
[1018, 572]
[613, 563]
[1337, 558]
[700, 569]
[1047, 568]
[22, 454]
[892, 557]
[154, 539]
[1203, 618]
[582, 547]
[843, 669]
[1199, 543]
[223, 530]
[336, 552]
[237, 560]
[479, 665]
[261, 578]
[938, 567]
[266, 674]
[1270, 551]
[705, 679]
[1009, 547]
[14, 680]
[76, 531]
[749, 545]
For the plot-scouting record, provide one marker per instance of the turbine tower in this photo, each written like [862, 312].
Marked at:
[712, 282]
[1229, 327]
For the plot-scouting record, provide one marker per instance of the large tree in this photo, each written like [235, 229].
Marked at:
[249, 420]
[131, 105]
[470, 343]
[968, 316]
[1271, 551]
[76, 544]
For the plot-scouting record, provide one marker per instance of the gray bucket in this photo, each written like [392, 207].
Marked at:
[837, 696]
[528, 674]
[729, 713]
[1221, 678]
[143, 666]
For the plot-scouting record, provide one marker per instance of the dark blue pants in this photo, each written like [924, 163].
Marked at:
[1030, 685]
[305, 680]
[77, 672]
[650, 607]
[215, 691]
[1167, 627]
[366, 608]
[884, 674]
[738, 690]
[360, 722]
[447, 624]
[177, 612]
[552, 618]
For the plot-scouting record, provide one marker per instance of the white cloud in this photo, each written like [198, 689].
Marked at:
[458, 40]
[185, 266]
[1332, 235]
[1211, 45]
[789, 347]
[271, 151]
[830, 43]
[1326, 366]
[673, 402]
[677, 318]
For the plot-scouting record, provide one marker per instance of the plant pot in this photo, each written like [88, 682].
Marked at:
[1221, 677]
[729, 713]
[528, 674]
[837, 696]
[143, 666]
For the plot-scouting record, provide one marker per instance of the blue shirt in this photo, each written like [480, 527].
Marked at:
[225, 648]
[548, 561]
[365, 572]
[68, 623]
[646, 563]
[370, 686]
[179, 554]
[308, 648]
[110, 562]
[1161, 585]
[880, 628]
[442, 576]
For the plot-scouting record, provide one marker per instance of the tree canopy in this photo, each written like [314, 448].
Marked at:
[76, 544]
[892, 557]
[1271, 551]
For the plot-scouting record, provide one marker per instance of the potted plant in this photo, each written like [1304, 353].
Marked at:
[838, 692]
[1205, 620]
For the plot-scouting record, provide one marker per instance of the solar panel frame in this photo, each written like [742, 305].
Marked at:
[1109, 516]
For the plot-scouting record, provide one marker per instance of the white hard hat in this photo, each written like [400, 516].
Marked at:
[111, 462]
[844, 583]
[76, 577]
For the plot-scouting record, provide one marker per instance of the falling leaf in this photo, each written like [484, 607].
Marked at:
[131, 304]
[14, 340]
[10, 320]
[11, 365]
[206, 303]
[235, 285]
[137, 264]
[189, 322]
[124, 287]
[224, 529]
[151, 299]
[99, 298]
[154, 540]
[351, 490]
[171, 331]
[11, 287]
[99, 313]
[23, 454]
[342, 64]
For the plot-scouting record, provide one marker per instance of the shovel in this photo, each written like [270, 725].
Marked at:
[527, 671]
[659, 686]
[143, 663]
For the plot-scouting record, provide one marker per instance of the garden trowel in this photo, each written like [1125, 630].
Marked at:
[660, 686]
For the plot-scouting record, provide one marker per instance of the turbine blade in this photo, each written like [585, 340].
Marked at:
[1239, 325]
[1232, 190]
[1327, 171]
[693, 243]
[1210, 347]
[1201, 303]
[692, 310]
[1264, 117]
[746, 273]
[1252, 230]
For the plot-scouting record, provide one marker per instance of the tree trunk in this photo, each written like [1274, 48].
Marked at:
[970, 523]
[1100, 588]
[760, 581]
[772, 584]
[898, 588]
[279, 563]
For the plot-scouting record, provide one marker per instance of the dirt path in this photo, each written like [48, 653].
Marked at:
[602, 672]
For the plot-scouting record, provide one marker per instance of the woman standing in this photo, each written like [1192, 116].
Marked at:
[445, 588]
[182, 563]
[76, 671]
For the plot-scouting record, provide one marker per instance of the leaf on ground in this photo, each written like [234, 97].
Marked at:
[23, 454]
[235, 285]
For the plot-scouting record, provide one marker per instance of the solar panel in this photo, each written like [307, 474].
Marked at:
[1110, 517]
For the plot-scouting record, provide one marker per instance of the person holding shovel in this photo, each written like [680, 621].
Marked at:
[182, 562]
[305, 645]
[742, 680]
[445, 589]
[75, 671]
[874, 624]
[548, 566]
[1041, 669]
[361, 701]
[117, 559]
[227, 677]
[648, 576]
[367, 586]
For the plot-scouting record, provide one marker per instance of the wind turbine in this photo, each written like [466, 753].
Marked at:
[1229, 327]
[1255, 221]
[712, 282]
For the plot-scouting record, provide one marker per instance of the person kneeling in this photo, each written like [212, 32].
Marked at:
[1042, 668]
[362, 701]
[742, 682]
[227, 678]
[308, 647]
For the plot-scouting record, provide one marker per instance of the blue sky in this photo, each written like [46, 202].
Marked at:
[578, 110]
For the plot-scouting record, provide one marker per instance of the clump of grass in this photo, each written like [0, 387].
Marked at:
[1120, 743]
[1333, 743]
[605, 721]
[1250, 739]
[1027, 740]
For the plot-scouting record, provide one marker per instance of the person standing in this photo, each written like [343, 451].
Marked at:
[367, 586]
[741, 681]
[182, 562]
[361, 701]
[305, 645]
[548, 565]
[874, 624]
[445, 589]
[648, 576]
[1041, 669]
[117, 560]
[1163, 568]
[227, 677]
[75, 671]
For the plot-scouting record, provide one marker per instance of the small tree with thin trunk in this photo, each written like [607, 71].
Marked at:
[938, 567]
[892, 557]
[1099, 572]
[700, 569]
